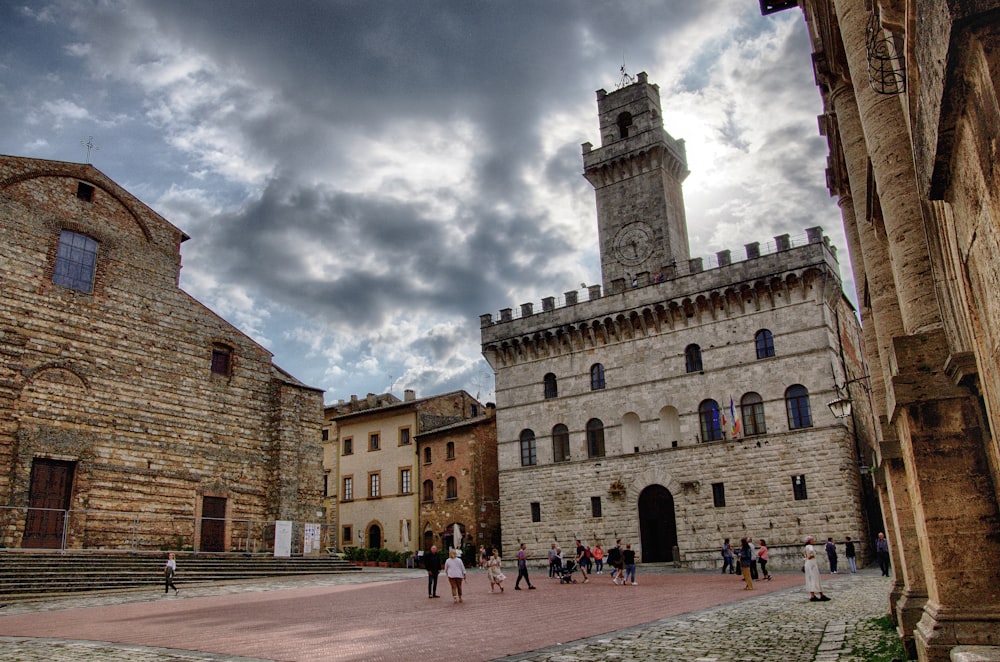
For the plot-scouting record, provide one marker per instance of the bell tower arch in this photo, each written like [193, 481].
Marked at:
[637, 174]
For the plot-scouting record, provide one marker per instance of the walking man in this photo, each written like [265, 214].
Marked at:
[581, 560]
[432, 563]
[831, 555]
[522, 567]
[882, 549]
[615, 561]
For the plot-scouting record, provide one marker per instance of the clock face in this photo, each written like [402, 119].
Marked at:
[633, 244]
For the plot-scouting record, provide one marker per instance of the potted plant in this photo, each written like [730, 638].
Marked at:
[384, 557]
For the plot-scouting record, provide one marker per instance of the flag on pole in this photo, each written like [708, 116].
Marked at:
[732, 415]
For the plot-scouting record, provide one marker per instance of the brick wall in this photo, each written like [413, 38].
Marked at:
[119, 381]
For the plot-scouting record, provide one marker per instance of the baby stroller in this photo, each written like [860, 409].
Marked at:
[565, 572]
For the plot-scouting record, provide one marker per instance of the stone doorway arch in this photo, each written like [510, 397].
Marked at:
[657, 524]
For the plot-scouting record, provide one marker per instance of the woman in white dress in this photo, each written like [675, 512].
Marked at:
[811, 568]
[493, 570]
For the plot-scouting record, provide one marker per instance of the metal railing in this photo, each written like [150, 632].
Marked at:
[86, 529]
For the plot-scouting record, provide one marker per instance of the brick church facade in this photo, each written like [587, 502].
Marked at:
[131, 416]
[680, 404]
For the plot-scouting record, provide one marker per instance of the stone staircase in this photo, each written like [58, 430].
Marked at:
[26, 576]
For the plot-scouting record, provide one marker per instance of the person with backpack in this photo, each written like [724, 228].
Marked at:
[615, 561]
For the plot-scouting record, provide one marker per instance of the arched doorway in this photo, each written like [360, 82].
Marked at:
[374, 536]
[657, 524]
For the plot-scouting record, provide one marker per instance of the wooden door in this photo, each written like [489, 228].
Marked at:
[49, 497]
[213, 524]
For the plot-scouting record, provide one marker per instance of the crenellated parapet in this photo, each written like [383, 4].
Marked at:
[733, 289]
[656, 150]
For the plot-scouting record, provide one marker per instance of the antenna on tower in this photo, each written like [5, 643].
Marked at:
[626, 79]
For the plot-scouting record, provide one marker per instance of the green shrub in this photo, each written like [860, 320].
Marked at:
[372, 554]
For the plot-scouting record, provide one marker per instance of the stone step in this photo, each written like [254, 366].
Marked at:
[32, 575]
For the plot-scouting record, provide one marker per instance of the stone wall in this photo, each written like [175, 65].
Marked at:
[120, 382]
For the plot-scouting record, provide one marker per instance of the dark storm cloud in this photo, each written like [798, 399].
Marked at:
[362, 65]
[367, 177]
[379, 257]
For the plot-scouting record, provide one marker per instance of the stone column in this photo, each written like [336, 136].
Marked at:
[889, 149]
[942, 438]
[904, 547]
[939, 424]
[871, 264]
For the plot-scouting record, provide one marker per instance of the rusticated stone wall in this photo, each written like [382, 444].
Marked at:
[649, 409]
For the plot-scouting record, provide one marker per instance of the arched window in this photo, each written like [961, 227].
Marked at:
[595, 438]
[670, 426]
[708, 414]
[427, 454]
[551, 388]
[752, 412]
[450, 450]
[452, 488]
[428, 491]
[631, 431]
[797, 402]
[692, 358]
[528, 457]
[560, 443]
[596, 377]
[764, 341]
[624, 123]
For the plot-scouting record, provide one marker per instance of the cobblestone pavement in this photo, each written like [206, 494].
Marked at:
[777, 623]
[778, 626]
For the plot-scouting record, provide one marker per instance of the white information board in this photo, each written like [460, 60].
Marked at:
[283, 538]
[311, 540]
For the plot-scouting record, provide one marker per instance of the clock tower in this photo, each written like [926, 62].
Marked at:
[636, 174]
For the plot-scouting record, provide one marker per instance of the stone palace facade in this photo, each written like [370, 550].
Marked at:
[679, 405]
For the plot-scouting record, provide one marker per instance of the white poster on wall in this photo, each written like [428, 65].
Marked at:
[310, 542]
[283, 538]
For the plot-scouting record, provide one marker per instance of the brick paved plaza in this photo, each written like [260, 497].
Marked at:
[386, 615]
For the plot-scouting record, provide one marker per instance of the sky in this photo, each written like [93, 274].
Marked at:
[361, 180]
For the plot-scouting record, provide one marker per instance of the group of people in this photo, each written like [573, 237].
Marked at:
[620, 559]
[454, 570]
[745, 560]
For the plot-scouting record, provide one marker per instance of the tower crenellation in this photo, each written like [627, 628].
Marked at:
[784, 253]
